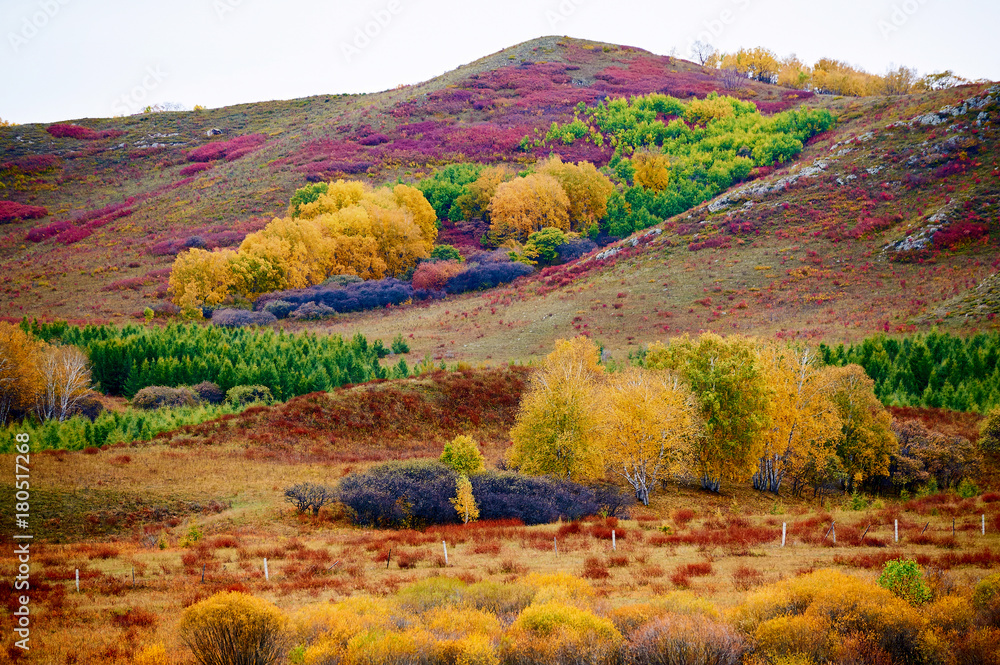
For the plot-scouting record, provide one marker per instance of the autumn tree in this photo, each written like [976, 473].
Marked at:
[201, 277]
[865, 441]
[989, 432]
[556, 428]
[725, 375]
[652, 170]
[462, 454]
[475, 201]
[20, 380]
[587, 189]
[648, 422]
[702, 52]
[524, 205]
[65, 378]
[464, 501]
[803, 417]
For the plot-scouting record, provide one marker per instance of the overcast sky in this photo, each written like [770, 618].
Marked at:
[68, 59]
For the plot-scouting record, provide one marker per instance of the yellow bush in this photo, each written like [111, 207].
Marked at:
[234, 628]
[431, 592]
[379, 647]
[986, 599]
[586, 188]
[498, 598]
[561, 586]
[454, 622]
[950, 613]
[151, 654]
[652, 170]
[477, 650]
[679, 638]
[794, 636]
[525, 205]
[554, 633]
[339, 622]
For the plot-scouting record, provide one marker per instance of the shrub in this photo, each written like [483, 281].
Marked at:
[279, 308]
[243, 395]
[209, 392]
[446, 253]
[399, 344]
[238, 318]
[989, 432]
[905, 578]
[401, 494]
[790, 636]
[986, 599]
[531, 499]
[542, 246]
[310, 496]
[574, 249]
[462, 455]
[434, 275]
[694, 639]
[64, 130]
[155, 397]
[197, 167]
[11, 210]
[41, 233]
[236, 147]
[486, 276]
[554, 633]
[234, 629]
[312, 311]
[499, 599]
[353, 297]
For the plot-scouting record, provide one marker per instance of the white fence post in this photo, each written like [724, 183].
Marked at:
[784, 526]
[267, 576]
[445, 546]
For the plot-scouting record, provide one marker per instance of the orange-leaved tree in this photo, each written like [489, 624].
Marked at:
[587, 189]
[804, 419]
[865, 442]
[648, 423]
[524, 205]
[20, 380]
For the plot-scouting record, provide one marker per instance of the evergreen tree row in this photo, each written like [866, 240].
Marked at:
[935, 370]
[125, 360]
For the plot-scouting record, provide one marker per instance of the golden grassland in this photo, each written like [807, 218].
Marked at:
[214, 512]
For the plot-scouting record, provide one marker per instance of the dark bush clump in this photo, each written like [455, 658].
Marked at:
[352, 297]
[243, 395]
[531, 499]
[155, 397]
[280, 308]
[574, 249]
[401, 494]
[237, 318]
[312, 311]
[209, 392]
[486, 276]
[89, 407]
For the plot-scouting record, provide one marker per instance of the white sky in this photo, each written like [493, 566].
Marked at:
[68, 59]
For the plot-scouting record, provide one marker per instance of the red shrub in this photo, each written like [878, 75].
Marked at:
[680, 580]
[133, 617]
[64, 130]
[434, 275]
[696, 569]
[11, 210]
[234, 148]
[191, 169]
[70, 236]
[746, 578]
[682, 516]
[960, 233]
[594, 569]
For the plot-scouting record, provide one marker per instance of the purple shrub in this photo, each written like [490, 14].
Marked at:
[75, 234]
[353, 297]
[574, 249]
[237, 318]
[486, 276]
[312, 311]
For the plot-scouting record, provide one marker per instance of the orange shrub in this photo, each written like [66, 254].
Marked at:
[434, 275]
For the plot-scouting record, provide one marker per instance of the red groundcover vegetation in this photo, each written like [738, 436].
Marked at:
[11, 210]
[68, 131]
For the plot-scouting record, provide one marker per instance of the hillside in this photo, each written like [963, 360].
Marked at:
[833, 246]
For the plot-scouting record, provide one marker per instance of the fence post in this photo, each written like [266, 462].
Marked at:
[784, 526]
[78, 580]
[445, 545]
[614, 544]
[388, 558]
[833, 528]
[984, 524]
[267, 576]
[203, 572]
[133, 577]
[555, 545]
[897, 531]
[952, 527]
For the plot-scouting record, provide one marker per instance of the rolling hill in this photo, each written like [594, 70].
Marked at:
[888, 222]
